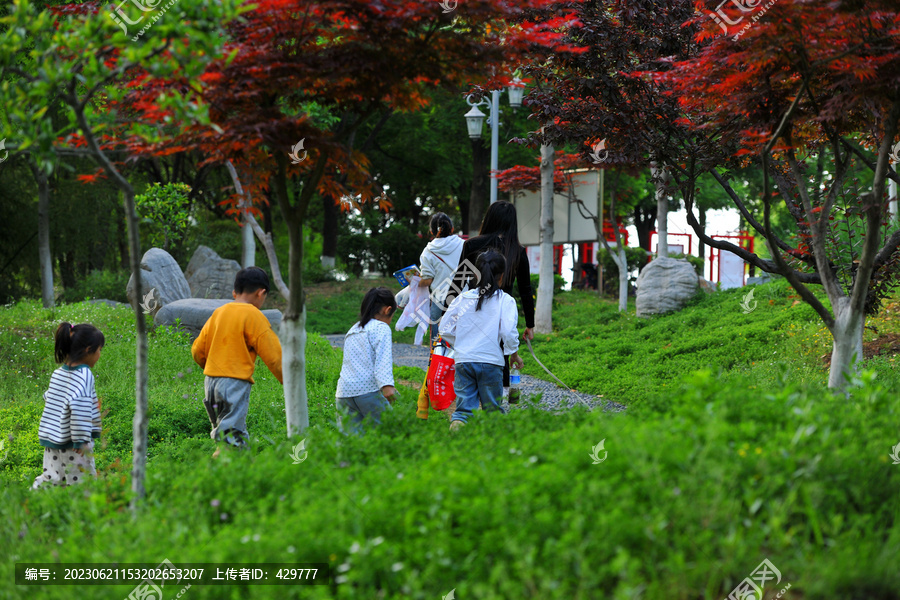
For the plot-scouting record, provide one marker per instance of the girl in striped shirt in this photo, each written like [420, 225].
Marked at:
[71, 419]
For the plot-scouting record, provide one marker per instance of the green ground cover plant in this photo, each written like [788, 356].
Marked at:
[629, 359]
[703, 479]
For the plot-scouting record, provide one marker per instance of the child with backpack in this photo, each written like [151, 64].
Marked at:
[476, 323]
[71, 419]
[366, 385]
[226, 350]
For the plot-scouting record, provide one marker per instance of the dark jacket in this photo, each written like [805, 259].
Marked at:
[471, 248]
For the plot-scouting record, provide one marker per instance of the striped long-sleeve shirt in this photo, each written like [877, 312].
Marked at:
[71, 415]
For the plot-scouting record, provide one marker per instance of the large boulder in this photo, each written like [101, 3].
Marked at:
[210, 275]
[195, 312]
[161, 280]
[665, 285]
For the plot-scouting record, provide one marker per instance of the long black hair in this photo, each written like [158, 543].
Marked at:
[74, 343]
[375, 299]
[501, 227]
[492, 266]
[441, 225]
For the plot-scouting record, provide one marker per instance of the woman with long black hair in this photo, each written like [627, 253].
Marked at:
[499, 231]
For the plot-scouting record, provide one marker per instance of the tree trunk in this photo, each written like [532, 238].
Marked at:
[644, 219]
[293, 340]
[330, 213]
[702, 246]
[248, 244]
[141, 418]
[543, 314]
[293, 324]
[47, 296]
[659, 177]
[264, 238]
[622, 263]
[481, 181]
[847, 345]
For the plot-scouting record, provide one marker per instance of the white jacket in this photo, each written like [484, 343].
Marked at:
[476, 334]
[439, 261]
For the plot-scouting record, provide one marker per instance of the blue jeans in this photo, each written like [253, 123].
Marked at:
[357, 408]
[437, 311]
[474, 382]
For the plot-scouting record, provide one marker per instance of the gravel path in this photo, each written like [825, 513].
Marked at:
[553, 397]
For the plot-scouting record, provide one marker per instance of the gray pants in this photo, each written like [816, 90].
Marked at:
[227, 401]
[355, 409]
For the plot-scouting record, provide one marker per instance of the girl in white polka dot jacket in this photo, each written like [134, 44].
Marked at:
[366, 386]
[71, 419]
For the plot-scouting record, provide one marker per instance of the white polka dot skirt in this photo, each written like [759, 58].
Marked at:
[66, 467]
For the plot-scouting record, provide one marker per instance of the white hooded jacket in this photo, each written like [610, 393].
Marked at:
[439, 261]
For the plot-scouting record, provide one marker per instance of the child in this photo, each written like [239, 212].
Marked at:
[71, 418]
[226, 350]
[476, 322]
[439, 261]
[366, 385]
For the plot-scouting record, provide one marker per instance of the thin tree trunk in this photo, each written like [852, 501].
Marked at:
[46, 259]
[139, 450]
[265, 239]
[248, 244]
[660, 178]
[543, 314]
[141, 418]
[481, 179]
[330, 213]
[702, 220]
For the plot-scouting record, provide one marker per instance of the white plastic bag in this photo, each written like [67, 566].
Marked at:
[419, 304]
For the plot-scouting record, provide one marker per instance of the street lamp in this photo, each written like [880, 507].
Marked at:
[475, 117]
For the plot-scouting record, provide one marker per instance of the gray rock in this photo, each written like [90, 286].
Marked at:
[665, 285]
[707, 286]
[211, 276]
[195, 312]
[162, 281]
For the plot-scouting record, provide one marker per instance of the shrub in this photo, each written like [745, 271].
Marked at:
[99, 284]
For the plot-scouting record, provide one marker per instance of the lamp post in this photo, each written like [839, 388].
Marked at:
[474, 119]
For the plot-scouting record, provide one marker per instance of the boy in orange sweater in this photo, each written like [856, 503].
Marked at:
[227, 349]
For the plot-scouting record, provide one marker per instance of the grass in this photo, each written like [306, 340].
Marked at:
[731, 452]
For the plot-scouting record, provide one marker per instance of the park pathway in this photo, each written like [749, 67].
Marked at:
[553, 397]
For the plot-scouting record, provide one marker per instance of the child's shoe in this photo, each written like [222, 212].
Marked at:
[456, 426]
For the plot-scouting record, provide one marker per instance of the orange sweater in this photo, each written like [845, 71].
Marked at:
[230, 341]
